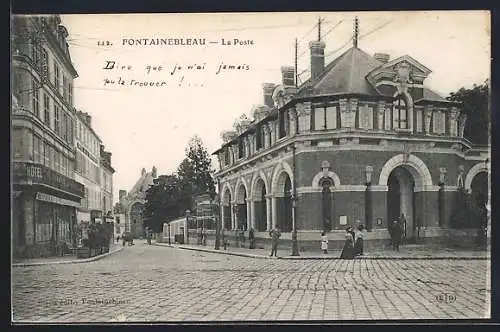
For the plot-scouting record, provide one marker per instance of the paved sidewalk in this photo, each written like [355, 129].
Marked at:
[70, 259]
[406, 252]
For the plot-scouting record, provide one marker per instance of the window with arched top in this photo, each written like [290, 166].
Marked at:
[400, 113]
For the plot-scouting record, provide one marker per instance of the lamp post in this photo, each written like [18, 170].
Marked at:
[186, 233]
[368, 198]
[217, 221]
[295, 246]
[169, 234]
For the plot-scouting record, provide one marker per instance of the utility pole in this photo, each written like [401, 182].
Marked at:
[356, 32]
[319, 28]
[218, 217]
[296, 64]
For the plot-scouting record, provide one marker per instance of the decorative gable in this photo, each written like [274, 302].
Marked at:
[403, 70]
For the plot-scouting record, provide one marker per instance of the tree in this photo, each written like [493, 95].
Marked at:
[475, 104]
[162, 201]
[195, 171]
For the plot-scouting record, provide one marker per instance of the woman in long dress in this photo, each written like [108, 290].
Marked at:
[348, 249]
[358, 245]
[324, 243]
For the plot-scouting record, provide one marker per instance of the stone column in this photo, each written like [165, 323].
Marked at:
[252, 213]
[266, 135]
[453, 121]
[274, 217]
[268, 212]
[292, 120]
[233, 215]
[222, 215]
[249, 213]
[304, 117]
[461, 128]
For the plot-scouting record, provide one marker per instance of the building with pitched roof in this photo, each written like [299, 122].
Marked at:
[364, 140]
[129, 210]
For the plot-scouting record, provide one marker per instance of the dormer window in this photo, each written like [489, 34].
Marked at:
[400, 114]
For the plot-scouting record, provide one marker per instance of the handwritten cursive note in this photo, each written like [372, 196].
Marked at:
[166, 75]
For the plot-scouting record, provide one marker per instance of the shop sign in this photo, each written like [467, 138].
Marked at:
[56, 200]
[37, 173]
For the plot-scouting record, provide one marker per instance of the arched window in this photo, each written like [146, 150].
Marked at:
[400, 114]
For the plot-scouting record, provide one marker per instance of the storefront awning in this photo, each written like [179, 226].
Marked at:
[56, 200]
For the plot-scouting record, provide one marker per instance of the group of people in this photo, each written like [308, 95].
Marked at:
[353, 245]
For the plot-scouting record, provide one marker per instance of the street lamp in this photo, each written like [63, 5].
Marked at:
[217, 221]
[295, 246]
[186, 233]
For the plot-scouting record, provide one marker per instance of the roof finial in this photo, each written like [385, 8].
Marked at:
[356, 32]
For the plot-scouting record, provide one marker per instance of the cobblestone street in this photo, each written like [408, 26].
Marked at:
[152, 283]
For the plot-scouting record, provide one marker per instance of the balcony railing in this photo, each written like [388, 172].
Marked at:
[40, 174]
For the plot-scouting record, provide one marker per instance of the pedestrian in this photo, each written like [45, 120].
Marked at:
[275, 235]
[224, 240]
[358, 244]
[324, 243]
[251, 238]
[242, 236]
[403, 228]
[396, 233]
[348, 249]
[118, 239]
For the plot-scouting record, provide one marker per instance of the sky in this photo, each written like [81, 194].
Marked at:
[146, 126]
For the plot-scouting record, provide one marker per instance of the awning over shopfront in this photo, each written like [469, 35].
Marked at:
[56, 200]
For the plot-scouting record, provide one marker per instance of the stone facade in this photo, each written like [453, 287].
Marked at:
[131, 204]
[348, 151]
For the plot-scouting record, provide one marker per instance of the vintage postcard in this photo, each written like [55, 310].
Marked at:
[250, 167]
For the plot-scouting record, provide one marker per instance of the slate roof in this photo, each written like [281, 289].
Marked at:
[347, 74]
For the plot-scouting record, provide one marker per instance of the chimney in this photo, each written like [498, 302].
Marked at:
[88, 119]
[268, 94]
[317, 58]
[288, 75]
[382, 57]
[122, 194]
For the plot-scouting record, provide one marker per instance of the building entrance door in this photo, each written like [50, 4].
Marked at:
[401, 200]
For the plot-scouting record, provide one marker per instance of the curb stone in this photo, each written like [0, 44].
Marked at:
[75, 261]
[242, 254]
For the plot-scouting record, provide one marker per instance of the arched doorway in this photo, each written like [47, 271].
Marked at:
[479, 196]
[401, 198]
[226, 210]
[241, 208]
[479, 189]
[284, 202]
[136, 219]
[260, 205]
[327, 203]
